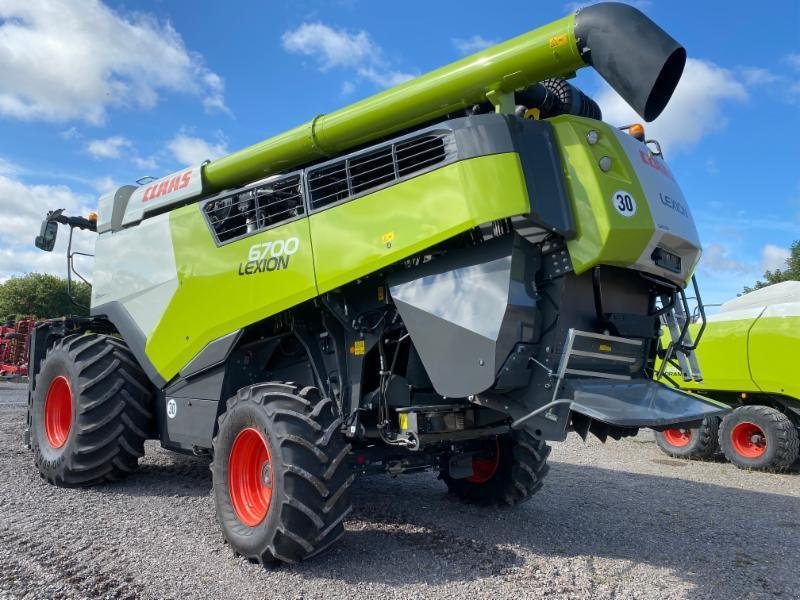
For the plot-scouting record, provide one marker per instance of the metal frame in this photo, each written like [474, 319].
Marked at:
[451, 156]
[224, 194]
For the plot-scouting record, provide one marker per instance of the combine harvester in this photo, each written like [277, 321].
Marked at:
[749, 354]
[425, 279]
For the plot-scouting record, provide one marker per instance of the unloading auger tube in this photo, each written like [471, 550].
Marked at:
[634, 55]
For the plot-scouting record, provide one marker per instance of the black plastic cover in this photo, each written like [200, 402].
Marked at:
[641, 61]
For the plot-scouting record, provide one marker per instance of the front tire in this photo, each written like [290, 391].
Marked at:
[281, 473]
[690, 442]
[507, 473]
[759, 437]
[90, 411]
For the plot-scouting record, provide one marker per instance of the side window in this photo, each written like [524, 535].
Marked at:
[255, 209]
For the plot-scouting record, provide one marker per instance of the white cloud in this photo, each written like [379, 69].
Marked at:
[793, 60]
[331, 47]
[110, 147]
[384, 79]
[759, 76]
[337, 48]
[716, 259]
[190, 150]
[106, 184]
[145, 163]
[74, 59]
[774, 257]
[21, 213]
[473, 44]
[695, 110]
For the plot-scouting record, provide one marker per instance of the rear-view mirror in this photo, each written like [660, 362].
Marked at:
[47, 236]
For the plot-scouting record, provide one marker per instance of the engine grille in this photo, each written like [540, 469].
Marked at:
[256, 208]
[349, 177]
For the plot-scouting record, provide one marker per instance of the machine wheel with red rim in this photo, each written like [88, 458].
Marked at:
[505, 471]
[690, 442]
[281, 473]
[759, 437]
[90, 413]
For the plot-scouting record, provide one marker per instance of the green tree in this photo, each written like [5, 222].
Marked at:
[41, 295]
[790, 273]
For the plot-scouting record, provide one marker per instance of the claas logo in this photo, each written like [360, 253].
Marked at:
[167, 186]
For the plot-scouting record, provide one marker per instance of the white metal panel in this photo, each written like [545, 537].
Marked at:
[675, 229]
[168, 190]
[778, 293]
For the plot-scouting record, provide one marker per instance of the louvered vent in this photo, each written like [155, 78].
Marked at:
[256, 208]
[348, 177]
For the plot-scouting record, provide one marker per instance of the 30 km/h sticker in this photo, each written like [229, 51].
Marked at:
[624, 203]
[172, 408]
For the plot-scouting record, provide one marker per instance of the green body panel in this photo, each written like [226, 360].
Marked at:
[212, 298]
[378, 229]
[603, 235]
[549, 51]
[751, 354]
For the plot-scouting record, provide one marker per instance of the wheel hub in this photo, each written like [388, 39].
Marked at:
[749, 440]
[58, 412]
[678, 436]
[250, 476]
[483, 469]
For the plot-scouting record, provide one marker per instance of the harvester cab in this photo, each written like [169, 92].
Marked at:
[446, 275]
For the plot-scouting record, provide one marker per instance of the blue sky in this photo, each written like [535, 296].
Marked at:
[94, 95]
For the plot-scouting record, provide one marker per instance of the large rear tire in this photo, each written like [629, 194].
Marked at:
[759, 437]
[507, 473]
[694, 443]
[281, 473]
[90, 411]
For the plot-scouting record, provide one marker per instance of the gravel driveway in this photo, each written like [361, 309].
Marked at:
[616, 520]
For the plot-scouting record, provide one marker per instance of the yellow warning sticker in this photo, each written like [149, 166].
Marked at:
[387, 237]
[403, 420]
[357, 348]
[558, 40]
[605, 347]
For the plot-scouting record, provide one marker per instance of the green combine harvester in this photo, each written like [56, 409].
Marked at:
[749, 352]
[446, 275]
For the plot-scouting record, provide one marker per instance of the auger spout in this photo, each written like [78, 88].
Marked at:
[637, 58]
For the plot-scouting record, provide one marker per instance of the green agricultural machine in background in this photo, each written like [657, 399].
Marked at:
[749, 356]
[446, 275]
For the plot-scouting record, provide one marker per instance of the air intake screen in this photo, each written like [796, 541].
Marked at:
[255, 209]
[351, 176]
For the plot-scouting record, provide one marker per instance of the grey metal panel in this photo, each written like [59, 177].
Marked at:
[638, 403]
[214, 353]
[466, 311]
[115, 312]
[111, 209]
[193, 423]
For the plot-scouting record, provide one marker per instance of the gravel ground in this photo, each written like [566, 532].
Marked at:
[616, 520]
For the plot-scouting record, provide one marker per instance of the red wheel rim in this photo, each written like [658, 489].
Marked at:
[58, 412]
[483, 469]
[250, 476]
[678, 437]
[749, 440]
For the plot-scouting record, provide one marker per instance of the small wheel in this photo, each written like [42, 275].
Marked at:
[508, 472]
[759, 437]
[280, 472]
[90, 412]
[690, 442]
